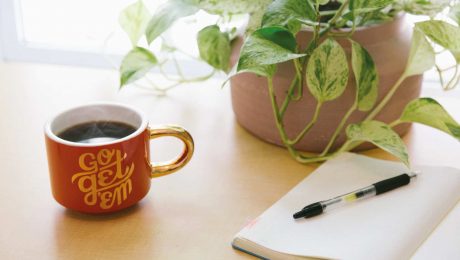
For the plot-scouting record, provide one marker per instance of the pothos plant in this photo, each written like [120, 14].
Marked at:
[270, 39]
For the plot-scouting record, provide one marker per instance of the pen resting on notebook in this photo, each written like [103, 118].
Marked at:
[377, 188]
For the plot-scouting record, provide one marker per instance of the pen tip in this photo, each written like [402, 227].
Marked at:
[298, 215]
[413, 174]
[310, 211]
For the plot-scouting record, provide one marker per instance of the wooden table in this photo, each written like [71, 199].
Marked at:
[192, 214]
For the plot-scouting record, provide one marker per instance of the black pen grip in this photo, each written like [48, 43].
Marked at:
[391, 183]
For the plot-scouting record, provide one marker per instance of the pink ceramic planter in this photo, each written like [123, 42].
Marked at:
[389, 46]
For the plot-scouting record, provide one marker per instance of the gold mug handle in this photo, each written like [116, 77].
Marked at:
[168, 167]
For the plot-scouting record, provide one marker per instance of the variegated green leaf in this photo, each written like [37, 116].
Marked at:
[321, 2]
[442, 33]
[214, 47]
[135, 65]
[423, 7]
[255, 9]
[134, 19]
[267, 46]
[368, 5]
[287, 13]
[429, 112]
[327, 71]
[166, 15]
[261, 70]
[421, 55]
[381, 135]
[366, 77]
[455, 13]
[232, 6]
[255, 21]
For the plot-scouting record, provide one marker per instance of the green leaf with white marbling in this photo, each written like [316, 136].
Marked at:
[265, 47]
[166, 15]
[260, 70]
[255, 21]
[360, 6]
[327, 71]
[442, 33]
[214, 47]
[231, 6]
[366, 76]
[134, 19]
[423, 7]
[381, 135]
[255, 9]
[421, 55]
[135, 65]
[454, 13]
[321, 2]
[429, 112]
[288, 13]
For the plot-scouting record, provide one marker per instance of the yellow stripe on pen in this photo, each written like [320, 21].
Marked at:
[350, 197]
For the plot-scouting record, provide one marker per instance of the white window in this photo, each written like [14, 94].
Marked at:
[86, 33]
[83, 32]
[65, 32]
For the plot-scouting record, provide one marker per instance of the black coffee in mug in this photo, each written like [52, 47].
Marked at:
[97, 132]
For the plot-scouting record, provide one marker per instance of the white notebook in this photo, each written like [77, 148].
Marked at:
[420, 220]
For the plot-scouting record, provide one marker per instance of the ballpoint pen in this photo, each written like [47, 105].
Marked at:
[375, 189]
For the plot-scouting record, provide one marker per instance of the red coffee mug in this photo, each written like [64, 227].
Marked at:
[108, 176]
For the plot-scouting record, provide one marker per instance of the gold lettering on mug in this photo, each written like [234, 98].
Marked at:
[103, 180]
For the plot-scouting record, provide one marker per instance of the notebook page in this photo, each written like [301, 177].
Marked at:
[390, 226]
[444, 242]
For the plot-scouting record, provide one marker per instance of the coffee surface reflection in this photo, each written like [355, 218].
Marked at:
[97, 132]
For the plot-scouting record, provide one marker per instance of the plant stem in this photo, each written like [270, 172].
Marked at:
[308, 126]
[178, 68]
[295, 82]
[298, 71]
[328, 12]
[278, 119]
[164, 74]
[441, 77]
[339, 12]
[385, 100]
[288, 96]
[455, 83]
[395, 123]
[452, 82]
[162, 90]
[279, 124]
[449, 68]
[303, 159]
[321, 158]
[345, 147]
[312, 24]
[200, 78]
[343, 34]
[339, 128]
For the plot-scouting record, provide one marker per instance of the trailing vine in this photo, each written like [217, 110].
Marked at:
[270, 39]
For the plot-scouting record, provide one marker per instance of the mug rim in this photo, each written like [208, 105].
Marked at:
[49, 133]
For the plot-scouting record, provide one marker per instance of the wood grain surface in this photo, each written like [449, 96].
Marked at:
[192, 214]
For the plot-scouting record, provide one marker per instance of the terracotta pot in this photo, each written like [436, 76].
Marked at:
[388, 44]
